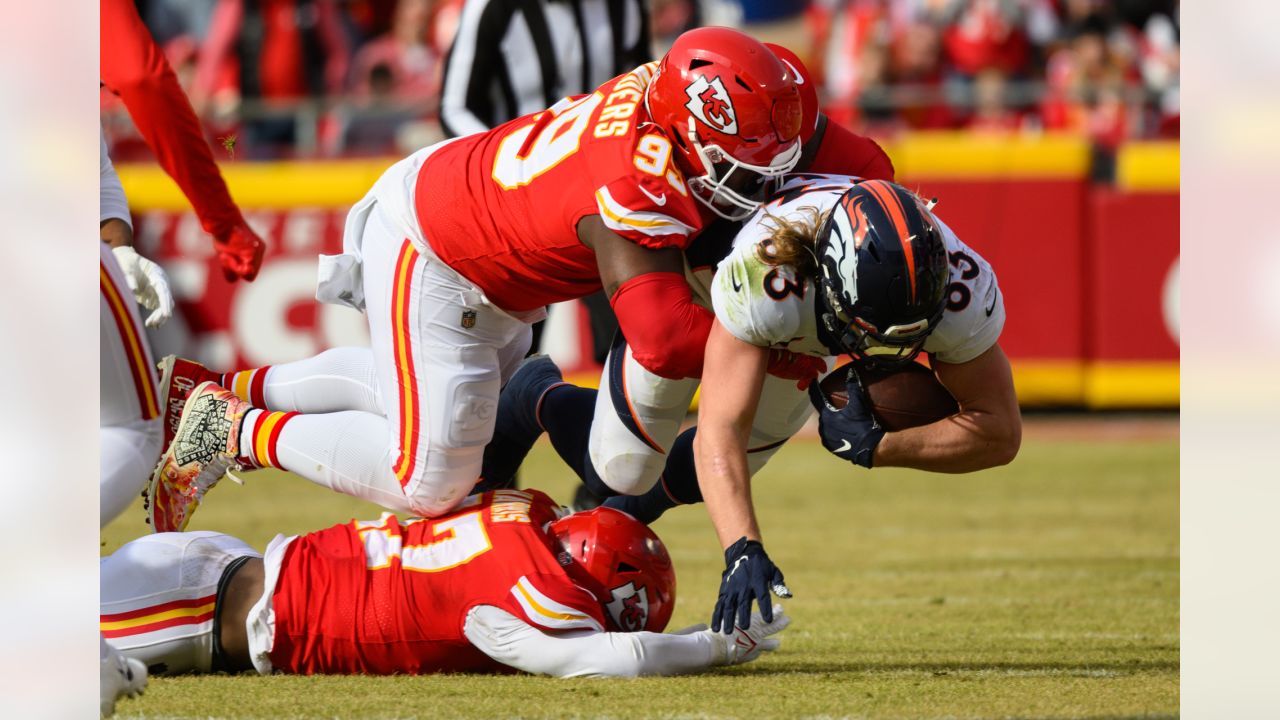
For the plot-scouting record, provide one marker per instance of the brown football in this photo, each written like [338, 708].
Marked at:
[901, 398]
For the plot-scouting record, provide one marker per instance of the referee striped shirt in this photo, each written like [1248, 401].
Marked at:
[514, 57]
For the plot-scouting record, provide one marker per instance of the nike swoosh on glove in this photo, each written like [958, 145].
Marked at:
[850, 432]
[748, 576]
[746, 644]
[148, 282]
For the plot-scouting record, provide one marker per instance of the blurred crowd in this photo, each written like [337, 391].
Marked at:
[323, 78]
[1104, 68]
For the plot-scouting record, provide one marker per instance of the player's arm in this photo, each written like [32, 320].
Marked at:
[666, 330]
[133, 66]
[986, 432]
[730, 394]
[734, 376]
[835, 149]
[147, 281]
[588, 653]
[116, 228]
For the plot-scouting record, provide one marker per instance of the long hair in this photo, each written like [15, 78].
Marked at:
[793, 241]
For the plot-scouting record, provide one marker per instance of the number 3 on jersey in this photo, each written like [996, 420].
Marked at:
[520, 158]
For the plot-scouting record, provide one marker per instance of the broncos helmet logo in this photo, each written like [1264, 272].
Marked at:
[710, 103]
[629, 607]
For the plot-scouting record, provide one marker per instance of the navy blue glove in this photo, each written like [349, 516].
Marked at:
[749, 575]
[850, 432]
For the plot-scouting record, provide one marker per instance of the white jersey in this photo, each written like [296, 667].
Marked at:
[773, 306]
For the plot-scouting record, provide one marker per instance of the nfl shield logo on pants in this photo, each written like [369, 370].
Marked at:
[468, 319]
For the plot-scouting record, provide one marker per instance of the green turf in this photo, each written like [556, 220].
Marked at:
[1045, 589]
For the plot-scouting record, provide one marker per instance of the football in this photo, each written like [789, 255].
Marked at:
[902, 398]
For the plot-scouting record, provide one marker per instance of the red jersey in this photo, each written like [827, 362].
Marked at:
[133, 67]
[502, 207]
[843, 152]
[386, 596]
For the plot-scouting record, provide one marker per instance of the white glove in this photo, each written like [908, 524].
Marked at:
[746, 644]
[149, 284]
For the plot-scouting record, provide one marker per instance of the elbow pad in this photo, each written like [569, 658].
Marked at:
[667, 332]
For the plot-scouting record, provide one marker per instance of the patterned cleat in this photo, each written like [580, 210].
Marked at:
[204, 448]
[178, 377]
[120, 677]
[517, 427]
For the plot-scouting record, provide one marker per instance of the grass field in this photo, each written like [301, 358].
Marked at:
[1045, 589]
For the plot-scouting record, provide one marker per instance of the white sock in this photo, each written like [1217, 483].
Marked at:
[348, 452]
[335, 380]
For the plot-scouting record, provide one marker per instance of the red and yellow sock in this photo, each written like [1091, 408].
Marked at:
[259, 435]
[249, 385]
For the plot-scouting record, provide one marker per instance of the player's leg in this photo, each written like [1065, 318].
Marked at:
[781, 413]
[436, 350]
[518, 424]
[351, 451]
[160, 596]
[130, 434]
[446, 372]
[433, 373]
[334, 380]
[439, 351]
[635, 422]
[614, 439]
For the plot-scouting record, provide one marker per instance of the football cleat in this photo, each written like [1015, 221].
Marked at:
[517, 427]
[204, 448]
[120, 677]
[178, 377]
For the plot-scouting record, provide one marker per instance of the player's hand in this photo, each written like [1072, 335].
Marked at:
[148, 282]
[748, 576]
[804, 369]
[240, 253]
[850, 432]
[746, 644]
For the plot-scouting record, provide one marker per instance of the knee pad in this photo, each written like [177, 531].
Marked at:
[629, 472]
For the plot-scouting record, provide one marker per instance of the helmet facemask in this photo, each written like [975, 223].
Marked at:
[714, 189]
[733, 113]
[893, 347]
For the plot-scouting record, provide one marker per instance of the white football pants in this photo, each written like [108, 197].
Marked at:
[130, 425]
[638, 416]
[157, 597]
[440, 354]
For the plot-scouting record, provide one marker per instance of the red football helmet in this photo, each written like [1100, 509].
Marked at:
[808, 89]
[731, 108]
[619, 560]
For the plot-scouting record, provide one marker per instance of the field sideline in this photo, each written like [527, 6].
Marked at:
[1045, 589]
